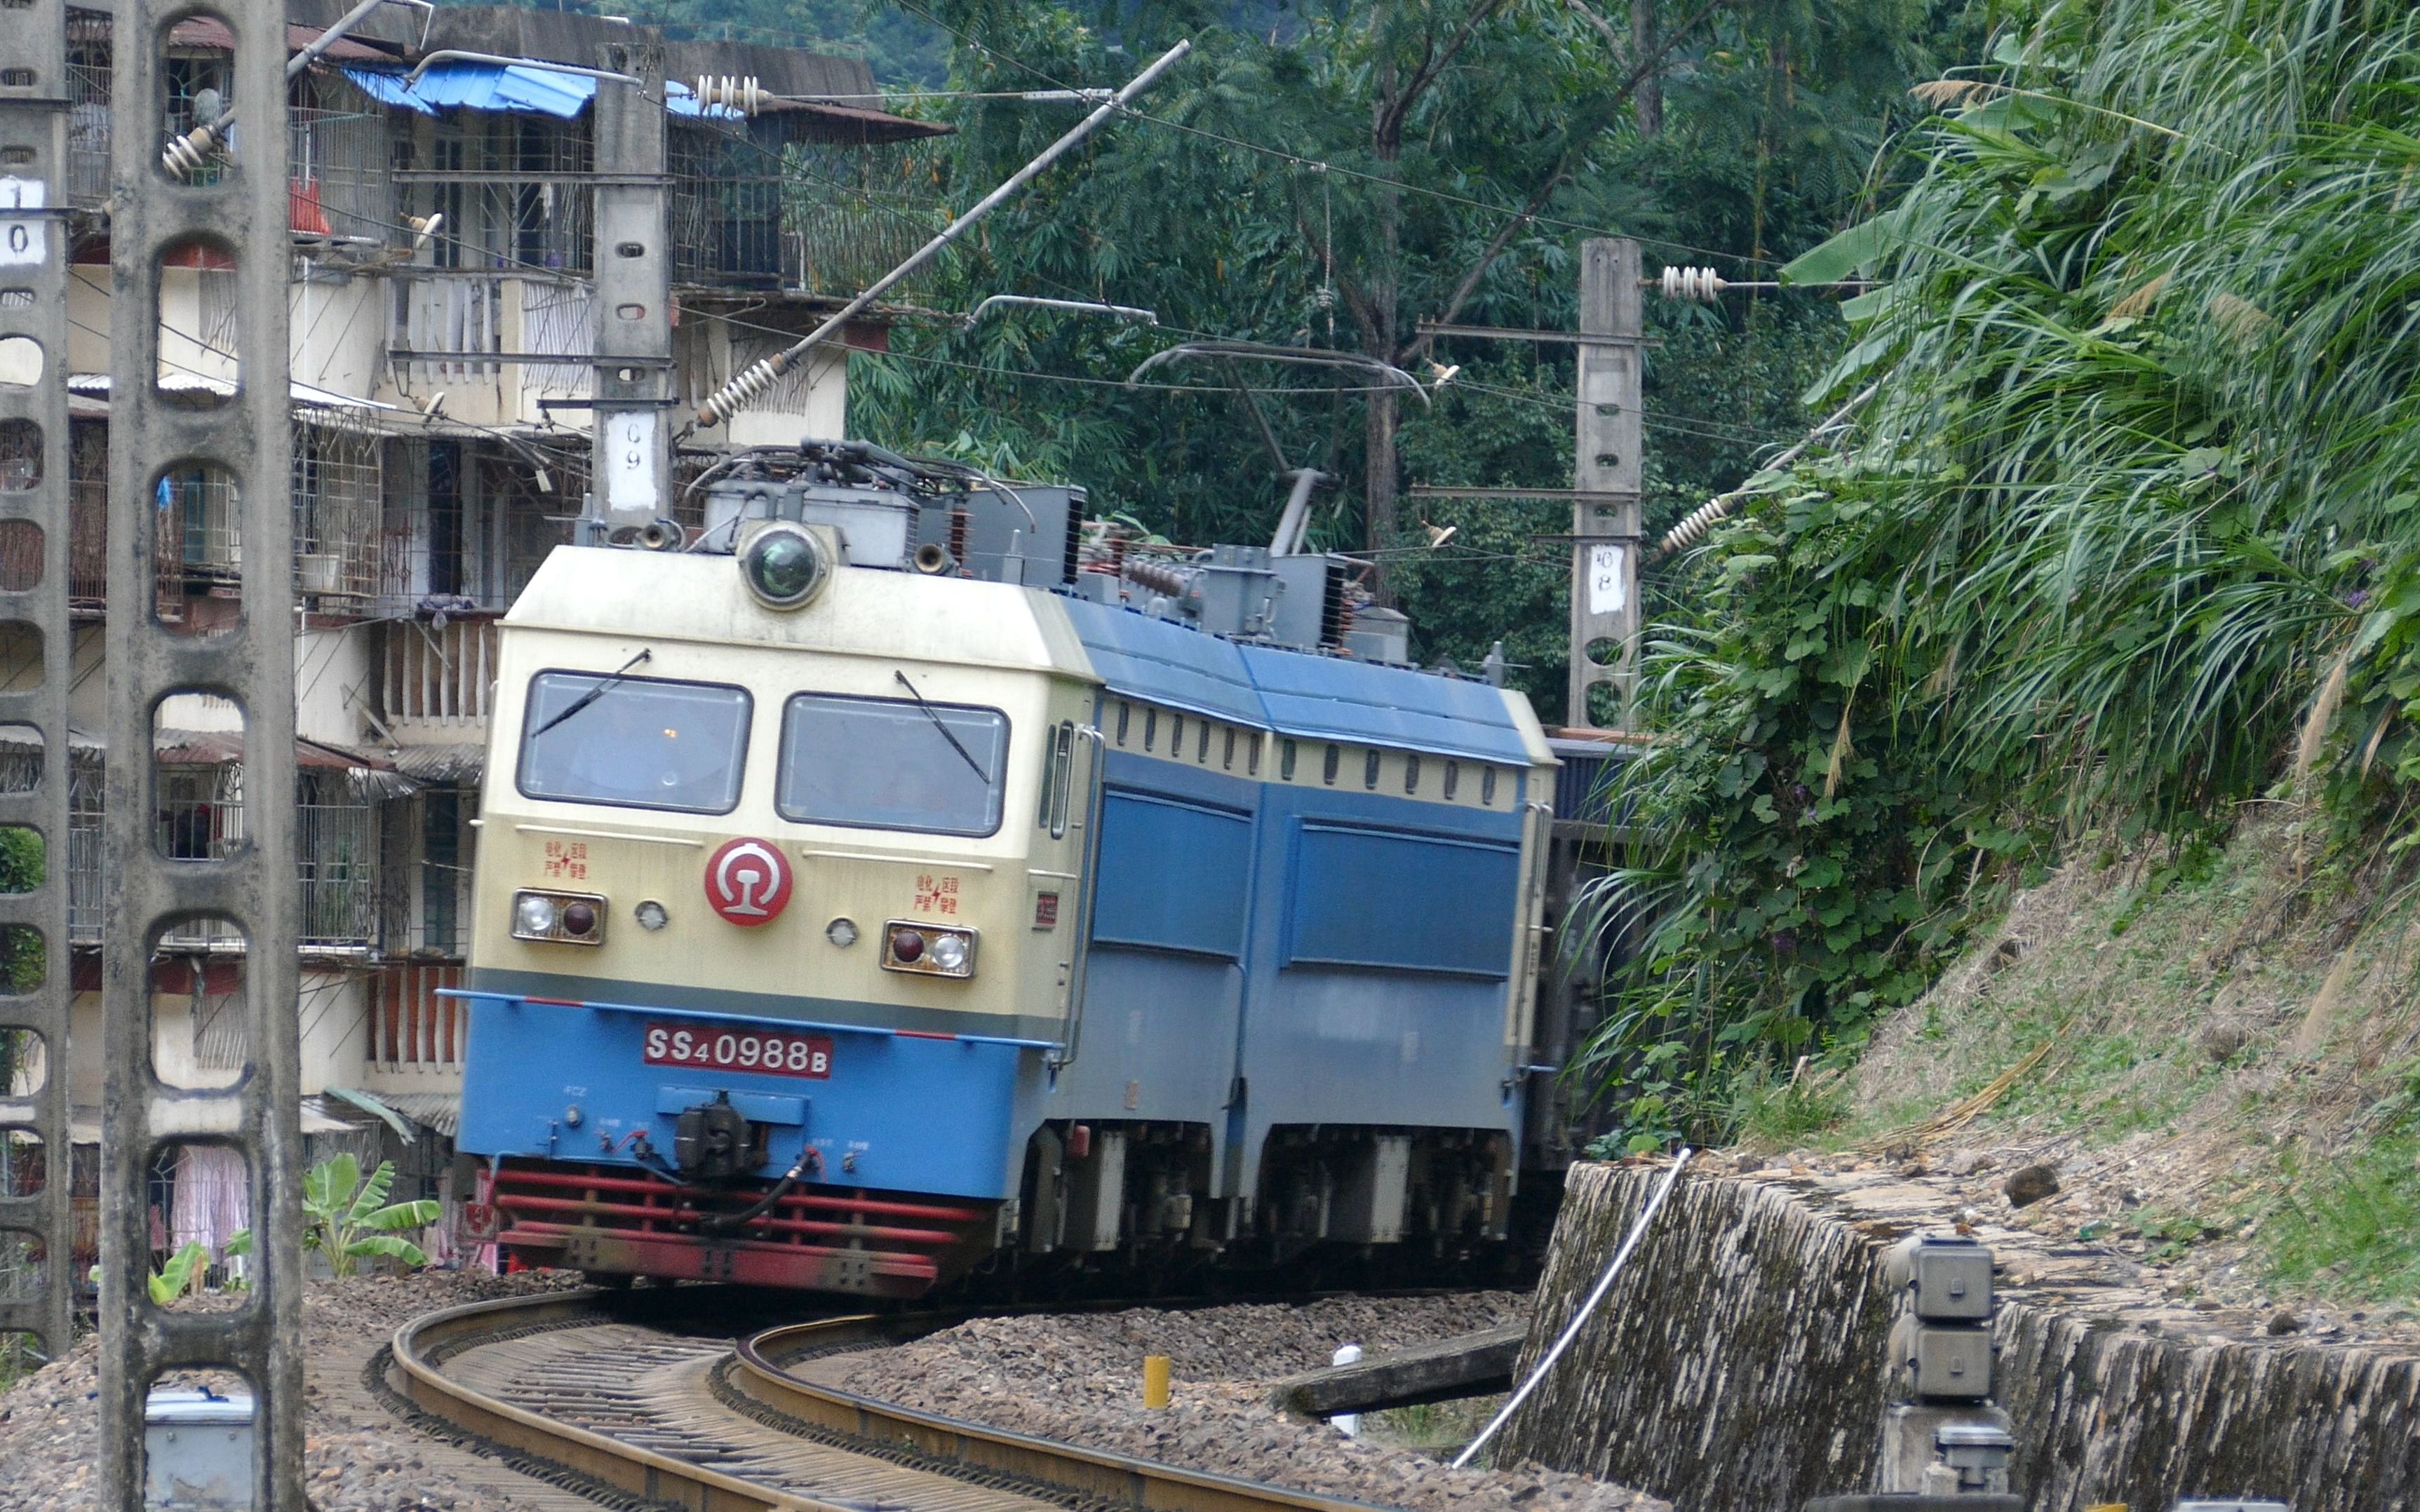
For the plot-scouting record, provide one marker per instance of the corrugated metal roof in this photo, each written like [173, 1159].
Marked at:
[441, 763]
[509, 87]
[440, 1111]
[210, 32]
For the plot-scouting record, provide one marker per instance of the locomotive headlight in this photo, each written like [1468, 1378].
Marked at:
[559, 917]
[535, 915]
[784, 566]
[928, 950]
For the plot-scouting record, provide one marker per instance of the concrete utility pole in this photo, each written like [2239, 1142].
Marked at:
[243, 217]
[34, 428]
[1605, 507]
[633, 392]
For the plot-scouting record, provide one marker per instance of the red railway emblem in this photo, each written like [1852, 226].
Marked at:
[748, 882]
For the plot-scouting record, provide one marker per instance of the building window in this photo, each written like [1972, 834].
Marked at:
[441, 870]
[336, 853]
[1370, 771]
[1202, 752]
[1125, 711]
[1487, 787]
[1176, 736]
[1411, 774]
[1335, 759]
[1453, 778]
[1285, 763]
[1150, 728]
[1229, 764]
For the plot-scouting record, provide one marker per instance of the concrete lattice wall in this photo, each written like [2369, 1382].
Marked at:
[1736, 1368]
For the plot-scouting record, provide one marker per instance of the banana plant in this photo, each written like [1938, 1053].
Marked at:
[182, 1275]
[348, 1219]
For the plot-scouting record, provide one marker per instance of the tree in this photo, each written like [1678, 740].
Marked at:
[1498, 160]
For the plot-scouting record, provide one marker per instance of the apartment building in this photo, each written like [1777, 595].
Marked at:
[444, 327]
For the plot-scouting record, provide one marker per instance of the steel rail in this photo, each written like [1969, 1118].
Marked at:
[926, 1440]
[423, 1344]
[1095, 1475]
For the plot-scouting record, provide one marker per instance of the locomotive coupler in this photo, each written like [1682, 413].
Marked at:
[710, 1140]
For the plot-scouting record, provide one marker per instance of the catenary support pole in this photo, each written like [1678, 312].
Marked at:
[735, 394]
[242, 883]
[1579, 1319]
[1606, 519]
[631, 476]
[36, 1229]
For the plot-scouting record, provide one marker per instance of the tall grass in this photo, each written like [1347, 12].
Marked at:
[2131, 533]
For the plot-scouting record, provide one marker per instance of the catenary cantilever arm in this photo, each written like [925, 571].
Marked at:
[1389, 374]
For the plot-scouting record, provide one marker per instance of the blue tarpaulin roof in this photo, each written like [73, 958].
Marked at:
[481, 86]
[498, 87]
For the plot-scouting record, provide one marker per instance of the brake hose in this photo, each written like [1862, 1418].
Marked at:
[727, 1221]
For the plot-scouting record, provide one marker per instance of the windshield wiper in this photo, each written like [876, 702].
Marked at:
[930, 713]
[592, 695]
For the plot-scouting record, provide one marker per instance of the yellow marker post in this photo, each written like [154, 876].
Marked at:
[1155, 1381]
[2109, 1506]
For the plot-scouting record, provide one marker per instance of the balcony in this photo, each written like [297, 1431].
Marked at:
[434, 680]
[335, 482]
[785, 202]
[201, 817]
[418, 1038]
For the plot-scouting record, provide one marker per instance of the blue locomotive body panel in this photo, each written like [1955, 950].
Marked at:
[893, 1112]
[1371, 934]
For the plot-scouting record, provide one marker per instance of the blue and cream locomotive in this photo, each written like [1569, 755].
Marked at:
[877, 888]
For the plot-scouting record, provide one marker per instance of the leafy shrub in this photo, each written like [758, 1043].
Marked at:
[348, 1219]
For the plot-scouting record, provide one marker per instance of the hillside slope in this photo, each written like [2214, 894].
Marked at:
[2220, 1052]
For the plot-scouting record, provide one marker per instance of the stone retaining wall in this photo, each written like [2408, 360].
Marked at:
[1736, 1366]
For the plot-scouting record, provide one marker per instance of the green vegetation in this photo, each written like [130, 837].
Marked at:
[2123, 539]
[348, 1219]
[183, 1274]
[1473, 144]
[2354, 1226]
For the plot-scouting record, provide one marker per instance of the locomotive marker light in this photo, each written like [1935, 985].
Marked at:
[842, 931]
[651, 915]
[784, 564]
[748, 882]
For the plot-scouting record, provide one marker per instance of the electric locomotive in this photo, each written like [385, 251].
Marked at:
[893, 883]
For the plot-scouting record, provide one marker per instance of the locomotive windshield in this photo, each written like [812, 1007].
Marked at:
[641, 742]
[892, 764]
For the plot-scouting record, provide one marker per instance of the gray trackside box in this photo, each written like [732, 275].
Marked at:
[1952, 1283]
[196, 1451]
[1950, 1362]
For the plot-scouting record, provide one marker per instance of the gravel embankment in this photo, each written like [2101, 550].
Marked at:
[1077, 1378]
[356, 1457]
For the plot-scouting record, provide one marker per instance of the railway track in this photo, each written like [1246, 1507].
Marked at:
[645, 1403]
